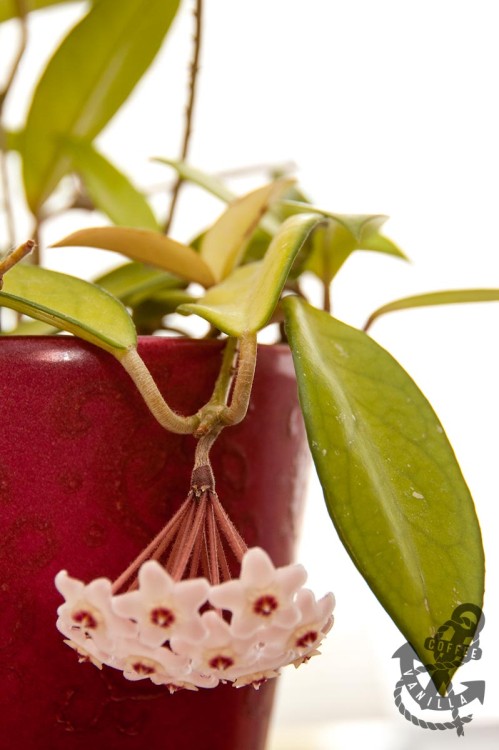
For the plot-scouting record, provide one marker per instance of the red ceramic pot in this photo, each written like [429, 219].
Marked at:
[87, 478]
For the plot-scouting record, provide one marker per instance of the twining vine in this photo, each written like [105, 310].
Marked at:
[189, 111]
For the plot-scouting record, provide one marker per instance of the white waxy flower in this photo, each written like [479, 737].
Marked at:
[85, 647]
[139, 662]
[163, 607]
[157, 633]
[219, 653]
[262, 595]
[315, 620]
[87, 612]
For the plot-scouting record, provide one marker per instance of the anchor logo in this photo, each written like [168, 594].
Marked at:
[456, 642]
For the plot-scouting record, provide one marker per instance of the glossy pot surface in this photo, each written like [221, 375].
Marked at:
[87, 478]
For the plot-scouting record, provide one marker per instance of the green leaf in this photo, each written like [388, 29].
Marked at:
[70, 304]
[391, 481]
[148, 315]
[86, 81]
[110, 190]
[245, 301]
[287, 206]
[331, 247]
[451, 297]
[9, 8]
[258, 245]
[144, 246]
[223, 245]
[133, 282]
[208, 182]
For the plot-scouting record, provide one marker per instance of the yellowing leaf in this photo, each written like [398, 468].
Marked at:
[245, 301]
[70, 304]
[391, 481]
[86, 81]
[144, 246]
[223, 245]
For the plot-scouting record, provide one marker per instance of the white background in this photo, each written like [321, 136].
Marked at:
[386, 107]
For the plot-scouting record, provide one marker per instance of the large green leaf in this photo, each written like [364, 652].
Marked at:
[144, 246]
[245, 301]
[70, 304]
[223, 245]
[345, 233]
[391, 481]
[86, 81]
[110, 190]
[450, 297]
[133, 282]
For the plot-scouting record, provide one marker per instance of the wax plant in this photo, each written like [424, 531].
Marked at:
[392, 484]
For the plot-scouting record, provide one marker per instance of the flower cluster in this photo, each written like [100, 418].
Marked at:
[190, 634]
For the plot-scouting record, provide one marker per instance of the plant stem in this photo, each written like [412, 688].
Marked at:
[135, 367]
[4, 171]
[210, 414]
[37, 258]
[213, 416]
[246, 364]
[14, 257]
[222, 385]
[202, 456]
[326, 305]
[189, 111]
[328, 238]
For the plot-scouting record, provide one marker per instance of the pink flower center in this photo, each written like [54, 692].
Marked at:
[221, 662]
[141, 668]
[307, 639]
[162, 617]
[265, 605]
[85, 618]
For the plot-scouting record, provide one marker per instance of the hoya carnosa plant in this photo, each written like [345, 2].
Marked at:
[391, 482]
